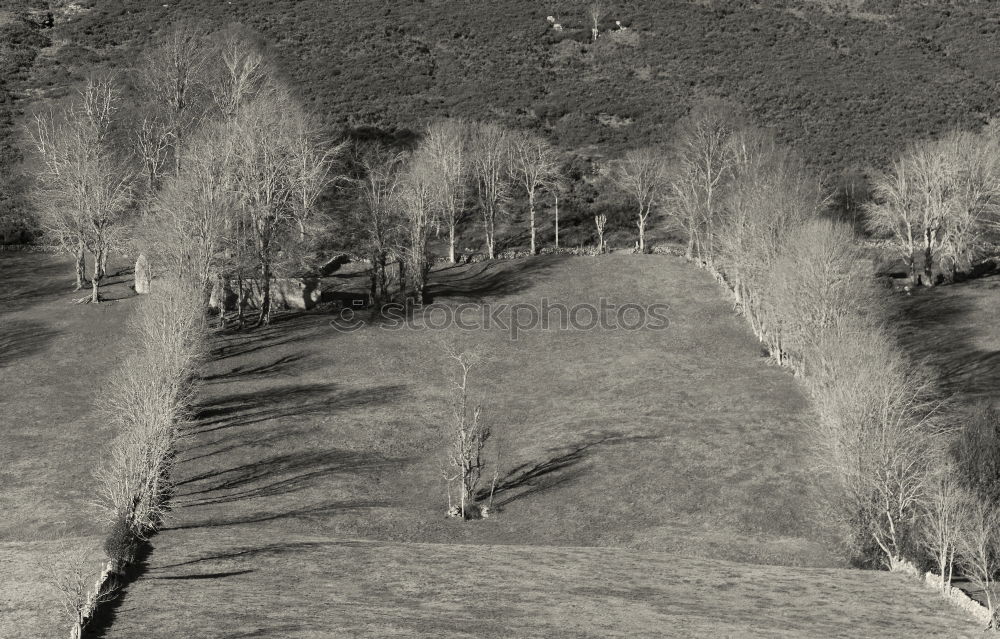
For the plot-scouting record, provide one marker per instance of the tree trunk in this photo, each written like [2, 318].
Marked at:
[81, 266]
[531, 209]
[557, 221]
[689, 253]
[451, 242]
[265, 293]
[401, 268]
[94, 296]
[642, 234]
[928, 278]
[104, 263]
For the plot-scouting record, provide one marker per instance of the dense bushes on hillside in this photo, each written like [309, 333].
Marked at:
[21, 38]
[842, 89]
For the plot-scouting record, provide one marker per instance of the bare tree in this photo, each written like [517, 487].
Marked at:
[877, 432]
[557, 189]
[975, 198]
[469, 437]
[535, 165]
[173, 75]
[770, 198]
[84, 189]
[491, 168]
[945, 504]
[243, 75]
[419, 182]
[642, 175]
[446, 145]
[599, 221]
[819, 282]
[188, 229]
[702, 169]
[934, 200]
[595, 13]
[380, 188]
[979, 552]
[75, 577]
[311, 166]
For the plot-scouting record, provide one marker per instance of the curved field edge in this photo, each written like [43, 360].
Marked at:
[307, 587]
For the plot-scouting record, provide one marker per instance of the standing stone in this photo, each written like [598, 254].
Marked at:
[142, 276]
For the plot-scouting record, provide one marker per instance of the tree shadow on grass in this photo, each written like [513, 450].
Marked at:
[532, 478]
[305, 512]
[31, 278]
[106, 613]
[279, 366]
[244, 409]
[21, 338]
[489, 279]
[932, 329]
[273, 476]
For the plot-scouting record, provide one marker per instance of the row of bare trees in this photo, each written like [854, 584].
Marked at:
[885, 436]
[407, 196]
[226, 153]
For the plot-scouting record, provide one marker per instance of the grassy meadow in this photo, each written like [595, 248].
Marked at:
[54, 358]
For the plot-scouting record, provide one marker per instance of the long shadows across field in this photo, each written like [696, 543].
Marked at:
[953, 330]
[24, 338]
[484, 280]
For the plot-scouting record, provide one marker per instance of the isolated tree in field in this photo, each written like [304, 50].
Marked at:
[701, 170]
[446, 147]
[642, 175]
[979, 550]
[380, 186]
[84, 186]
[600, 221]
[491, 162]
[417, 192]
[470, 435]
[535, 165]
[945, 505]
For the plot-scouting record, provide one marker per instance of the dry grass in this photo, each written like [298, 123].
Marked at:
[54, 356]
[300, 587]
[682, 440]
[54, 359]
[642, 467]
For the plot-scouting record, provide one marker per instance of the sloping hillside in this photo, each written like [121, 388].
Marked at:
[648, 477]
[846, 87]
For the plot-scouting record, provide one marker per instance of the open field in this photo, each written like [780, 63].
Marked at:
[954, 330]
[630, 490]
[54, 357]
[652, 439]
[310, 587]
[655, 481]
